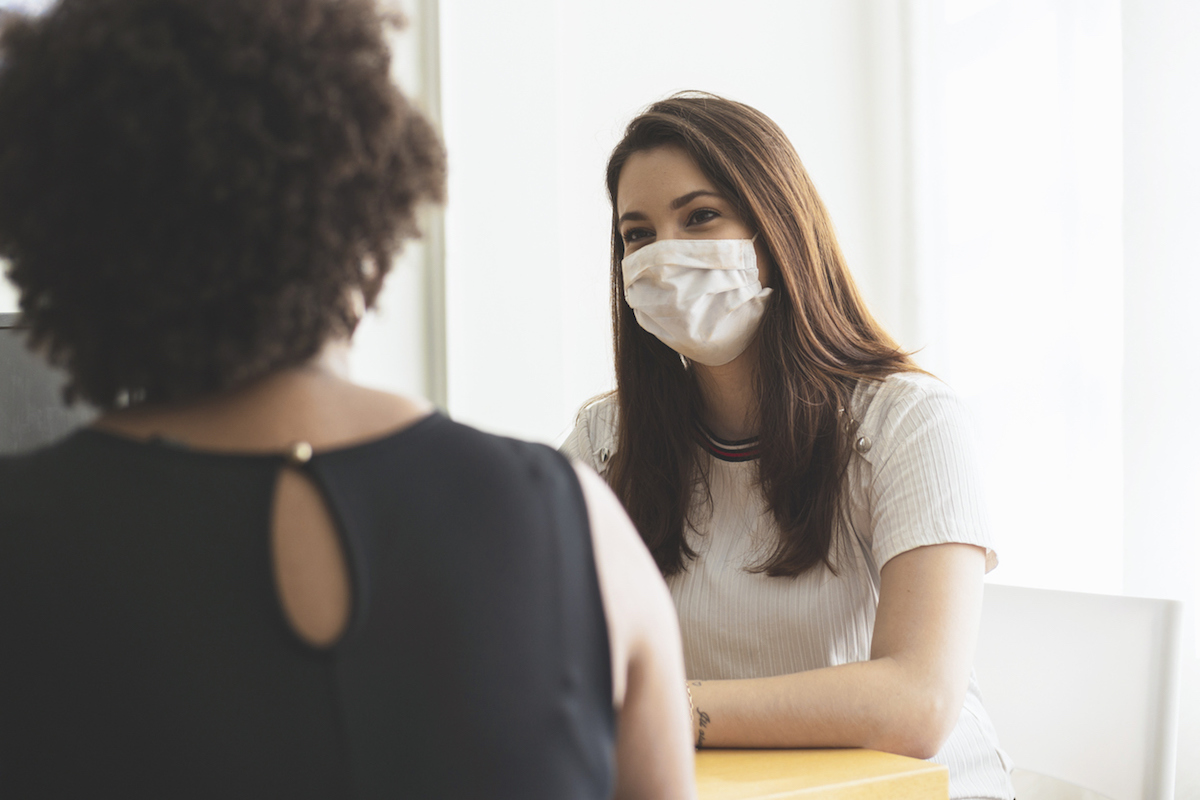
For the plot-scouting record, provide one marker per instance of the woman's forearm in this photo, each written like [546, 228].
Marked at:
[879, 704]
[905, 700]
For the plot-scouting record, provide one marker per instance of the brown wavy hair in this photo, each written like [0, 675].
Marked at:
[815, 342]
[192, 192]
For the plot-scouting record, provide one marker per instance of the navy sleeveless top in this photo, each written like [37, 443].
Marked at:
[144, 652]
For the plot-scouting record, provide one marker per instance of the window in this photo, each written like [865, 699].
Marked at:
[1018, 179]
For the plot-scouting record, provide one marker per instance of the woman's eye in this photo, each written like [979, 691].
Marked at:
[635, 235]
[701, 216]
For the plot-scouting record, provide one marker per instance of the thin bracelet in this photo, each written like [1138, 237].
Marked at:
[691, 708]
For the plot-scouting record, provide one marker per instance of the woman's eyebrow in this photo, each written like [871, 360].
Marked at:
[676, 204]
[680, 202]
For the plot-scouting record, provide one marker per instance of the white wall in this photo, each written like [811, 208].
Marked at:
[1162, 297]
[536, 93]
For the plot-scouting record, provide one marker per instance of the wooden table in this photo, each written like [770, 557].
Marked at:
[813, 774]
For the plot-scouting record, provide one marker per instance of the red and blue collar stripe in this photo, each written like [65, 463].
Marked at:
[726, 450]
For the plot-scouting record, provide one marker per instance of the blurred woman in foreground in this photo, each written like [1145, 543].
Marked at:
[252, 577]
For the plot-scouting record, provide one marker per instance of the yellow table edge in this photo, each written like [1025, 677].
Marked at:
[841, 774]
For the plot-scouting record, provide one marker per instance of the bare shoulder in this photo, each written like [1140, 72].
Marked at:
[654, 744]
[636, 600]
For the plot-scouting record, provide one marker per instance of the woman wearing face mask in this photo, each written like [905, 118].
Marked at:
[808, 492]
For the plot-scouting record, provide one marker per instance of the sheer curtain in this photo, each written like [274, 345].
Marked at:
[1017, 180]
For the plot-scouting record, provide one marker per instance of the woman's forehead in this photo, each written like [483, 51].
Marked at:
[658, 175]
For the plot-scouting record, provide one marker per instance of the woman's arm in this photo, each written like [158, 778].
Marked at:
[905, 700]
[655, 758]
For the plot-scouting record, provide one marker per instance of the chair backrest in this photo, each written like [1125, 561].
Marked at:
[1084, 687]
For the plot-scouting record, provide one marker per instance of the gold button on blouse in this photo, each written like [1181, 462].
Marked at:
[300, 453]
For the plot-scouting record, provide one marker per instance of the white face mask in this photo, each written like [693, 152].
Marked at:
[700, 297]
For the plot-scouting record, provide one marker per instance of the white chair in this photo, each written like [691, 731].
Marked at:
[1083, 689]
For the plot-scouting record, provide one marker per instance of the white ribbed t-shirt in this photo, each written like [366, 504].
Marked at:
[912, 481]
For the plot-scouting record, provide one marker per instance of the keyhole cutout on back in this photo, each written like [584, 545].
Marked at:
[311, 575]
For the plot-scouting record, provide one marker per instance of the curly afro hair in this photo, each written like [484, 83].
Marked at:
[193, 192]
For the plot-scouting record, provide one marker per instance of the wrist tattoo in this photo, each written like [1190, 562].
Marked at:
[704, 720]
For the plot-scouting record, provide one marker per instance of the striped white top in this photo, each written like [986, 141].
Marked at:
[912, 482]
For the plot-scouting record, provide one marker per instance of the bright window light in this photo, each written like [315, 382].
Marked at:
[1022, 271]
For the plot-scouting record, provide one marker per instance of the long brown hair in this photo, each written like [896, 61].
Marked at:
[815, 342]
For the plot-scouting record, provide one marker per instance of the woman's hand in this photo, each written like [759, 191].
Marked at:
[905, 700]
